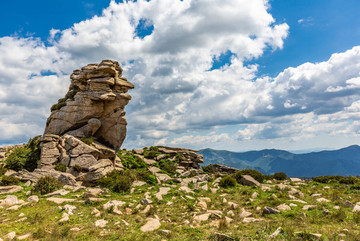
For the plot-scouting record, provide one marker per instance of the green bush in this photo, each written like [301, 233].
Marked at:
[209, 169]
[25, 157]
[62, 102]
[131, 161]
[151, 153]
[336, 179]
[118, 181]
[145, 175]
[9, 180]
[280, 176]
[227, 181]
[46, 185]
[167, 166]
[237, 176]
[258, 176]
[60, 167]
[3, 170]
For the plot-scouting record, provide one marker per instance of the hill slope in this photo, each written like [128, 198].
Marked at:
[345, 161]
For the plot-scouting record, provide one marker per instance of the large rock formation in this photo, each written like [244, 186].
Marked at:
[94, 105]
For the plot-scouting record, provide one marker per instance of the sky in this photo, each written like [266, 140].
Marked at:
[233, 75]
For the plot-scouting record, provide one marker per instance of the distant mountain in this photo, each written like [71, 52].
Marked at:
[345, 161]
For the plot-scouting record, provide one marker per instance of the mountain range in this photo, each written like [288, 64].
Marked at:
[345, 161]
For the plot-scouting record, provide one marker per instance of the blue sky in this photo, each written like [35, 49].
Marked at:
[234, 75]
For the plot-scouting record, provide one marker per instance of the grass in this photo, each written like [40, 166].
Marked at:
[42, 218]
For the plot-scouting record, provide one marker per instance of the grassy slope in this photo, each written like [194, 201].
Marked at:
[42, 218]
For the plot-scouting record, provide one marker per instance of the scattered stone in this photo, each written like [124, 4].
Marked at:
[322, 200]
[336, 207]
[23, 237]
[10, 189]
[269, 210]
[10, 200]
[61, 192]
[126, 223]
[276, 233]
[151, 225]
[251, 220]
[205, 199]
[326, 212]
[231, 213]
[249, 181]
[244, 213]
[15, 207]
[33, 198]
[69, 209]
[114, 203]
[165, 232]
[356, 208]
[295, 179]
[202, 217]
[202, 205]
[232, 205]
[316, 195]
[308, 207]
[222, 237]
[146, 209]
[101, 223]
[65, 217]
[254, 195]
[293, 205]
[138, 183]
[96, 212]
[283, 207]
[60, 200]
[145, 201]
[27, 184]
[162, 191]
[274, 195]
[10, 236]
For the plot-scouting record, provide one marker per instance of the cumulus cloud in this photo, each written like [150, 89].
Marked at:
[175, 91]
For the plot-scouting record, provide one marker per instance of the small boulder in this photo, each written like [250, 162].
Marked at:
[247, 180]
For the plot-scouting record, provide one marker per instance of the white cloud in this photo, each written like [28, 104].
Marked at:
[175, 93]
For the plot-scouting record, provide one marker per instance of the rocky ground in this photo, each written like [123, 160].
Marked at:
[189, 205]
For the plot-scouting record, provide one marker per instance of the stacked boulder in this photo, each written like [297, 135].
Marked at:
[86, 127]
[94, 105]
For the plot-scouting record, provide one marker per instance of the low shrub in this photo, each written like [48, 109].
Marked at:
[25, 157]
[209, 169]
[167, 166]
[3, 170]
[60, 167]
[227, 181]
[280, 176]
[237, 176]
[151, 153]
[131, 161]
[144, 175]
[46, 185]
[118, 181]
[336, 179]
[9, 180]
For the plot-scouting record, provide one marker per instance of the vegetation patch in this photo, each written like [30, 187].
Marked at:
[227, 181]
[25, 157]
[151, 153]
[70, 95]
[46, 185]
[337, 179]
[118, 181]
[130, 161]
[60, 167]
[9, 180]
[88, 140]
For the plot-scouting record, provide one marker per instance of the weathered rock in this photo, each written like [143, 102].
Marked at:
[114, 203]
[151, 225]
[60, 200]
[251, 220]
[202, 217]
[283, 207]
[162, 191]
[33, 198]
[269, 210]
[94, 105]
[276, 233]
[101, 223]
[9, 201]
[307, 207]
[10, 189]
[249, 181]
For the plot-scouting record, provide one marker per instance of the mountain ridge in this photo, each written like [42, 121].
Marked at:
[344, 161]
